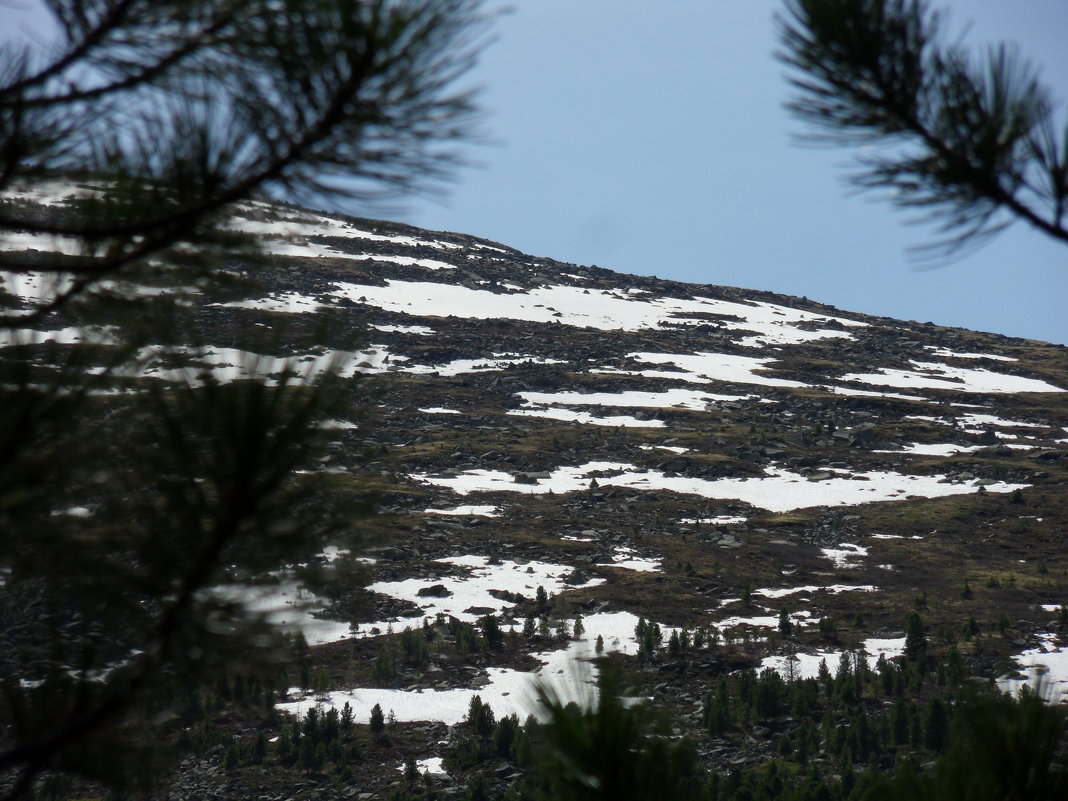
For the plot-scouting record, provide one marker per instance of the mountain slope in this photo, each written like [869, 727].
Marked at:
[790, 476]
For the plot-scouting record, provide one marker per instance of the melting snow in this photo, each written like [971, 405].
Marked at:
[935, 449]
[594, 308]
[845, 555]
[779, 491]
[936, 351]
[669, 399]
[31, 287]
[721, 520]
[1045, 670]
[420, 330]
[62, 336]
[289, 607]
[458, 366]
[472, 590]
[802, 618]
[46, 243]
[479, 511]
[626, 558]
[973, 419]
[304, 226]
[930, 375]
[285, 303]
[571, 416]
[703, 368]
[433, 765]
[831, 588]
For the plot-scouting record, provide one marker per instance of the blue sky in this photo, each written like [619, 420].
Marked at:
[649, 137]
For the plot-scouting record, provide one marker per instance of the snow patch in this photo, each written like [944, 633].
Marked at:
[931, 375]
[778, 491]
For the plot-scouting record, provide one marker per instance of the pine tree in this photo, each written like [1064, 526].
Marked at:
[541, 600]
[232, 759]
[378, 721]
[935, 725]
[165, 115]
[259, 748]
[785, 626]
[491, 630]
[915, 637]
[974, 143]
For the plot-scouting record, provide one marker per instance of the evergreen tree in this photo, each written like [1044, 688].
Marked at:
[785, 626]
[541, 600]
[377, 721]
[915, 637]
[491, 630]
[259, 748]
[935, 725]
[232, 759]
[166, 114]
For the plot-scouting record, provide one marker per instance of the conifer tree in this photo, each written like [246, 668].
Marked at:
[974, 143]
[164, 115]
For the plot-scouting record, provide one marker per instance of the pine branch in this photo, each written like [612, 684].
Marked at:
[963, 144]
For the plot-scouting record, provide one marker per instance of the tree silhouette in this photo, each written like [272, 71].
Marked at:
[138, 516]
[974, 143]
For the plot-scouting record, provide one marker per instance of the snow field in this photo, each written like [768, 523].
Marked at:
[588, 307]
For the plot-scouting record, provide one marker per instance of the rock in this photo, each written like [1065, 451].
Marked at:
[434, 591]
[576, 576]
[863, 436]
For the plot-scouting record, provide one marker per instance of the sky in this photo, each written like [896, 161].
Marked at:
[649, 137]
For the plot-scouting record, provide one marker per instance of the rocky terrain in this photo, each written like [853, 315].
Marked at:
[771, 481]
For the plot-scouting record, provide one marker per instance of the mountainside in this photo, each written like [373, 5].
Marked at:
[771, 481]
